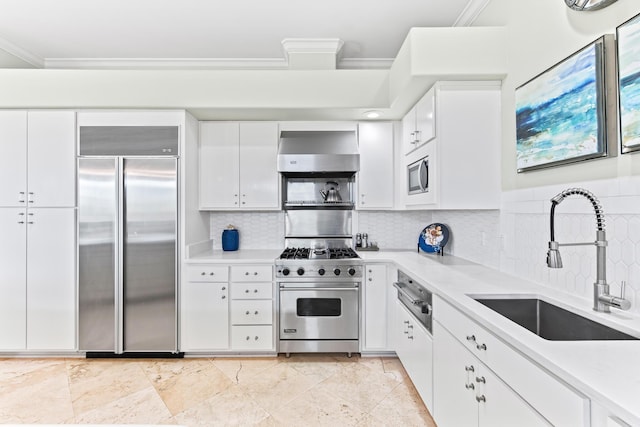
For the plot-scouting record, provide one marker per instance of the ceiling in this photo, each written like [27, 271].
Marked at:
[210, 33]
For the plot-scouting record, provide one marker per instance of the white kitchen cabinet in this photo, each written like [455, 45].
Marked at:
[466, 164]
[375, 178]
[419, 124]
[467, 393]
[13, 279]
[549, 397]
[205, 309]
[375, 291]
[36, 146]
[37, 279]
[238, 166]
[51, 279]
[414, 347]
[252, 308]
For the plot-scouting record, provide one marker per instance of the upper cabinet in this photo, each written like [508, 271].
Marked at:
[419, 125]
[238, 166]
[38, 146]
[464, 155]
[375, 179]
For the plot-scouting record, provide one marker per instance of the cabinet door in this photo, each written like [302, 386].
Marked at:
[375, 307]
[409, 131]
[205, 316]
[13, 162]
[52, 153]
[219, 165]
[426, 117]
[51, 279]
[13, 278]
[259, 178]
[375, 179]
[498, 405]
[454, 370]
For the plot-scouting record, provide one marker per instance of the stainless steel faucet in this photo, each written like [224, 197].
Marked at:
[602, 300]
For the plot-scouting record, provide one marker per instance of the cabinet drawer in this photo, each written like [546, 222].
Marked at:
[252, 312]
[252, 337]
[249, 290]
[207, 273]
[555, 401]
[251, 273]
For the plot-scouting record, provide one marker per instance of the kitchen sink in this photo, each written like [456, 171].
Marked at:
[551, 322]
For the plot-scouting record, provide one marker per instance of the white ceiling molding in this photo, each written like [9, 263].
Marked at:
[166, 63]
[365, 63]
[312, 54]
[470, 13]
[21, 54]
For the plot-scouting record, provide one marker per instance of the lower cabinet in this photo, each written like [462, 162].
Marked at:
[414, 347]
[467, 393]
[227, 308]
[376, 291]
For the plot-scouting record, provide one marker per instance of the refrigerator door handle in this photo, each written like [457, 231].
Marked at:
[119, 291]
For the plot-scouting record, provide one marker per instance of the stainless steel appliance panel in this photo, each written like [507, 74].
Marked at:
[318, 223]
[150, 254]
[320, 312]
[97, 253]
[129, 140]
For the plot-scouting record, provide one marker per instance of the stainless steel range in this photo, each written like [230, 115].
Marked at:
[319, 274]
[319, 299]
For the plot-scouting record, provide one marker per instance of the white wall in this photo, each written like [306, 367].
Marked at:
[542, 33]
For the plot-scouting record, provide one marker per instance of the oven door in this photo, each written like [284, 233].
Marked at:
[314, 311]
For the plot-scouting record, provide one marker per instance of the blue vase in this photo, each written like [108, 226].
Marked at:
[230, 240]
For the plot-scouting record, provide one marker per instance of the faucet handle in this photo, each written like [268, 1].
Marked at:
[623, 286]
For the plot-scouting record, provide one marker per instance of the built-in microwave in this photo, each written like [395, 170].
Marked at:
[418, 176]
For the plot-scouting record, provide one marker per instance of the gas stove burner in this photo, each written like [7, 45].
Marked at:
[318, 253]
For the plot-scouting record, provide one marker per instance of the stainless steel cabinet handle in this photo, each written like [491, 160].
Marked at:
[256, 313]
[469, 386]
[20, 222]
[246, 291]
[212, 274]
[255, 273]
[247, 313]
[203, 273]
[406, 321]
[370, 279]
[256, 338]
[410, 337]
[410, 326]
[248, 337]
[469, 368]
[255, 291]
[246, 273]
[224, 288]
[224, 296]
[481, 380]
[481, 346]
[481, 398]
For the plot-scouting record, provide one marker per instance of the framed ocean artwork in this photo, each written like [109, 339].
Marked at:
[628, 36]
[561, 114]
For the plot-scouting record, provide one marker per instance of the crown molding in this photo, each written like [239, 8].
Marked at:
[166, 63]
[330, 45]
[365, 63]
[470, 13]
[21, 54]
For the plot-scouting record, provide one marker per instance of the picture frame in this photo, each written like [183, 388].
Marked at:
[628, 37]
[562, 114]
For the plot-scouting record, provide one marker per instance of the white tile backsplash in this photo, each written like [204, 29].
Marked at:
[257, 230]
[393, 229]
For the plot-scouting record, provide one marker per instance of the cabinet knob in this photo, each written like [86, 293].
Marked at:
[410, 337]
[470, 386]
[255, 273]
[481, 346]
[247, 313]
[481, 398]
[224, 296]
[255, 291]
[244, 203]
[256, 338]
[481, 380]
[224, 288]
[471, 337]
[469, 368]
[370, 279]
[410, 327]
[246, 273]
[406, 321]
[20, 222]
[248, 337]
[203, 273]
[256, 313]
[212, 274]
[246, 291]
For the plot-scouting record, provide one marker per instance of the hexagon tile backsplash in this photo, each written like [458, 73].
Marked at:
[525, 218]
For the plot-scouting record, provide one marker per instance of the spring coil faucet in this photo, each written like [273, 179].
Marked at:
[602, 300]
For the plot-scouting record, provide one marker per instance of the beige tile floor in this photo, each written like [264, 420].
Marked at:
[303, 390]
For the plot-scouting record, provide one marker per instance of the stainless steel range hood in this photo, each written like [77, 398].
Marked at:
[318, 152]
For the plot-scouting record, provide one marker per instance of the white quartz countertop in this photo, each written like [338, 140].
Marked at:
[608, 372]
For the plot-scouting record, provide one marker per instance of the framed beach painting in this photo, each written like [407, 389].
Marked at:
[561, 113]
[628, 35]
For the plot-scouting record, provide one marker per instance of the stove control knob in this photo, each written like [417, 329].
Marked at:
[285, 272]
[336, 271]
[352, 271]
[321, 271]
[300, 271]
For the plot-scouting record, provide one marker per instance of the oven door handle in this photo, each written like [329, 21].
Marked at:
[415, 301]
[282, 288]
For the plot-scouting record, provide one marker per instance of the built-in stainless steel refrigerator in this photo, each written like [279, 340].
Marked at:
[127, 240]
